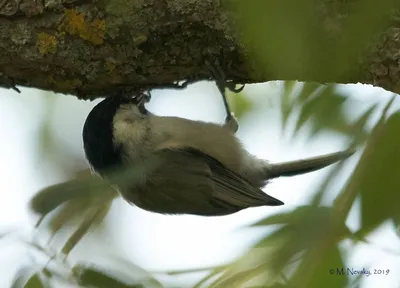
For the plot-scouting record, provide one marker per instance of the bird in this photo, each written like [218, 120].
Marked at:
[199, 168]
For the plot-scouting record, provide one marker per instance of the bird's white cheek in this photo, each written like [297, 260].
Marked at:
[121, 131]
[128, 132]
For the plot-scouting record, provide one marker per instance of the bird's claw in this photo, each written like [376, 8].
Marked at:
[232, 86]
[143, 97]
[231, 123]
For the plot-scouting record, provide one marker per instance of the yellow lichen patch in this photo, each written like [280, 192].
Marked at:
[64, 84]
[74, 23]
[110, 66]
[46, 43]
[140, 39]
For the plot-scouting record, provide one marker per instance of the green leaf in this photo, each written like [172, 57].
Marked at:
[286, 101]
[325, 112]
[310, 89]
[76, 209]
[325, 274]
[250, 269]
[358, 129]
[34, 282]
[281, 218]
[91, 275]
[239, 278]
[28, 277]
[329, 178]
[305, 227]
[278, 32]
[380, 180]
[133, 271]
[94, 215]
[73, 211]
[86, 194]
[49, 198]
[291, 39]
[270, 286]
[208, 277]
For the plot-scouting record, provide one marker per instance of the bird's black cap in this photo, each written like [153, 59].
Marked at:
[100, 149]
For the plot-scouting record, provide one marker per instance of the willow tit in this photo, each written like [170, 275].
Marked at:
[202, 168]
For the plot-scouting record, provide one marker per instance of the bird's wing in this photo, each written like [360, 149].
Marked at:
[203, 184]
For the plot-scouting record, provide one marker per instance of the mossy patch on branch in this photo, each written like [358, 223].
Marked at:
[64, 85]
[46, 43]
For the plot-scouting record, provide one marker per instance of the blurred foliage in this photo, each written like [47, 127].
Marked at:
[288, 36]
[48, 146]
[321, 108]
[306, 244]
[57, 270]
[380, 154]
[239, 104]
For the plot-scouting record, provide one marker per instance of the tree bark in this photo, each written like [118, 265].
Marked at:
[95, 48]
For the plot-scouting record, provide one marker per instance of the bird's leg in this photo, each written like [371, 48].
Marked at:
[143, 97]
[219, 77]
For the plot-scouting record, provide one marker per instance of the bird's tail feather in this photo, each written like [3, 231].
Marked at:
[302, 166]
